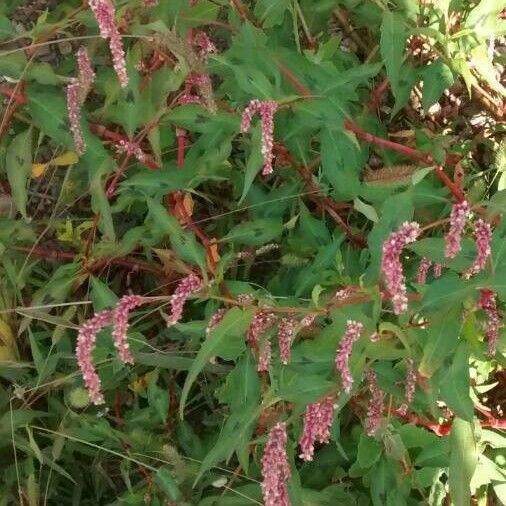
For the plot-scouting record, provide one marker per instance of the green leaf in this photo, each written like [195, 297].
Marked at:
[366, 209]
[463, 460]
[442, 336]
[167, 483]
[256, 232]
[48, 110]
[455, 385]
[369, 451]
[158, 397]
[183, 241]
[393, 38]
[437, 77]
[242, 387]
[226, 341]
[19, 167]
[173, 362]
[255, 160]
[271, 12]
[447, 292]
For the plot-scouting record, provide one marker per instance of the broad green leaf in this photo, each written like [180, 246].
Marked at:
[437, 77]
[255, 161]
[256, 232]
[48, 110]
[455, 385]
[226, 341]
[463, 460]
[165, 480]
[442, 335]
[242, 386]
[448, 292]
[393, 38]
[19, 168]
[366, 209]
[173, 362]
[369, 451]
[183, 241]
[271, 12]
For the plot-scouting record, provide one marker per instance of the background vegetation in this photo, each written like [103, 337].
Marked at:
[387, 112]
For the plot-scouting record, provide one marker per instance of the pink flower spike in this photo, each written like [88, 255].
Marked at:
[392, 266]
[120, 325]
[409, 391]
[286, 334]
[275, 468]
[86, 73]
[131, 148]
[423, 269]
[150, 3]
[105, 15]
[248, 113]
[265, 356]
[308, 320]
[376, 403]
[489, 305]
[317, 422]
[437, 270]
[266, 109]
[352, 333]
[86, 340]
[204, 45]
[482, 237]
[186, 287]
[267, 112]
[215, 320]
[74, 108]
[259, 324]
[458, 217]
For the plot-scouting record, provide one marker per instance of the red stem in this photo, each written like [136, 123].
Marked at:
[376, 94]
[407, 151]
[181, 147]
[94, 265]
[109, 135]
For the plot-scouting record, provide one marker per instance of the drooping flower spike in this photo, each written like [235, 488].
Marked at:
[77, 92]
[286, 334]
[458, 217]
[489, 304]
[266, 109]
[352, 333]
[262, 320]
[482, 238]
[392, 266]
[317, 422]
[120, 325]
[375, 406]
[275, 468]
[409, 390]
[423, 269]
[105, 15]
[86, 341]
[215, 319]
[188, 286]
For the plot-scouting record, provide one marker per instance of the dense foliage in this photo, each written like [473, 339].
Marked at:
[252, 252]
